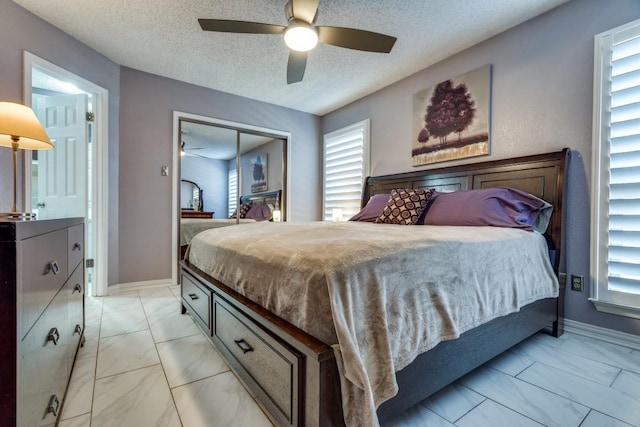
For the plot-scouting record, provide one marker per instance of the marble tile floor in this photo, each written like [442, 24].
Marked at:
[145, 364]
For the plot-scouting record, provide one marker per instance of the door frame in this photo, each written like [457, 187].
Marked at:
[175, 164]
[100, 159]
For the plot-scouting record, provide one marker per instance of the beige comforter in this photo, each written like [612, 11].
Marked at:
[379, 294]
[189, 227]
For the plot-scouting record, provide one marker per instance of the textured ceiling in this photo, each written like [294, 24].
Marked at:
[163, 37]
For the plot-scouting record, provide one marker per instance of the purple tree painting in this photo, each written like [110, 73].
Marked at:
[450, 108]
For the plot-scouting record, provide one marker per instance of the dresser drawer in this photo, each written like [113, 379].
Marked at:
[74, 288]
[262, 359]
[75, 245]
[44, 268]
[198, 299]
[42, 367]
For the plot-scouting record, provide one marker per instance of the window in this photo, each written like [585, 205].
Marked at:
[615, 236]
[233, 191]
[346, 165]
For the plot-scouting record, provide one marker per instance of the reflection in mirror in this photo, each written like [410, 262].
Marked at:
[205, 158]
[219, 167]
[190, 196]
[262, 161]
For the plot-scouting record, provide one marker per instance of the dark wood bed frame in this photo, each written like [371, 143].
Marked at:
[318, 383]
[270, 197]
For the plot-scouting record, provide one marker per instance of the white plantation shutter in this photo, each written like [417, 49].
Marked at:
[346, 165]
[616, 231]
[233, 191]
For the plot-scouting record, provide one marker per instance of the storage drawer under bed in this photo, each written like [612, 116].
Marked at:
[198, 298]
[262, 359]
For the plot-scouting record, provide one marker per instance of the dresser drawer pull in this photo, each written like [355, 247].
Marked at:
[53, 267]
[54, 405]
[54, 336]
[78, 288]
[78, 330]
[244, 346]
[76, 246]
[193, 296]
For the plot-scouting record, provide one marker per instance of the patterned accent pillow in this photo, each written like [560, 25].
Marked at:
[244, 208]
[405, 206]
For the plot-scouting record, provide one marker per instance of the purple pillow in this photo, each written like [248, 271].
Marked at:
[259, 212]
[372, 209]
[497, 206]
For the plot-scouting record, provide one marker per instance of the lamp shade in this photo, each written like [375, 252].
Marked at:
[19, 121]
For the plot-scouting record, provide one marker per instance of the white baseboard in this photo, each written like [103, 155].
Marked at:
[137, 286]
[602, 334]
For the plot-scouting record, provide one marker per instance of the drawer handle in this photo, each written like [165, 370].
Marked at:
[54, 336]
[78, 330]
[78, 288]
[76, 246]
[54, 405]
[244, 346]
[193, 296]
[53, 267]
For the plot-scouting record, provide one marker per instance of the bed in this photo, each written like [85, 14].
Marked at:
[296, 373]
[189, 227]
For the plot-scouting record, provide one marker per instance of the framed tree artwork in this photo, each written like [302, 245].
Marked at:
[451, 119]
[259, 173]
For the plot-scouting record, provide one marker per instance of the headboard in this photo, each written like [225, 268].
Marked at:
[268, 198]
[541, 175]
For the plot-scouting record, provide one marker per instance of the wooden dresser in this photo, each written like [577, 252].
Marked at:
[195, 214]
[42, 316]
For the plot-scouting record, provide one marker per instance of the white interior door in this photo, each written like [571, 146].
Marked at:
[62, 171]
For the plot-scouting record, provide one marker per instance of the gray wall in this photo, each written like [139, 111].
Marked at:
[542, 100]
[146, 138]
[20, 30]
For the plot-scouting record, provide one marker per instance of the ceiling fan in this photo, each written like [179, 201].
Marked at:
[188, 151]
[301, 35]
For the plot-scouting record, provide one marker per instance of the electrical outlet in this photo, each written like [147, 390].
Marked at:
[576, 283]
[562, 279]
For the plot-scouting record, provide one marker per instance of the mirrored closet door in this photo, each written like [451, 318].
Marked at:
[224, 172]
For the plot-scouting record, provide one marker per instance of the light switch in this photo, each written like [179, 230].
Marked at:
[165, 170]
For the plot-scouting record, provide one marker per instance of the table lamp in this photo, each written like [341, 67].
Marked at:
[20, 128]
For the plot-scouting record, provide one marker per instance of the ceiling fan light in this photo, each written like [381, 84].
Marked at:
[301, 37]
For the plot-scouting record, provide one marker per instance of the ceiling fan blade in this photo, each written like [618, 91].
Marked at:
[190, 154]
[296, 66]
[304, 10]
[183, 146]
[352, 38]
[226, 26]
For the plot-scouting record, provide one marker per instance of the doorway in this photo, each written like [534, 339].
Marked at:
[71, 179]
